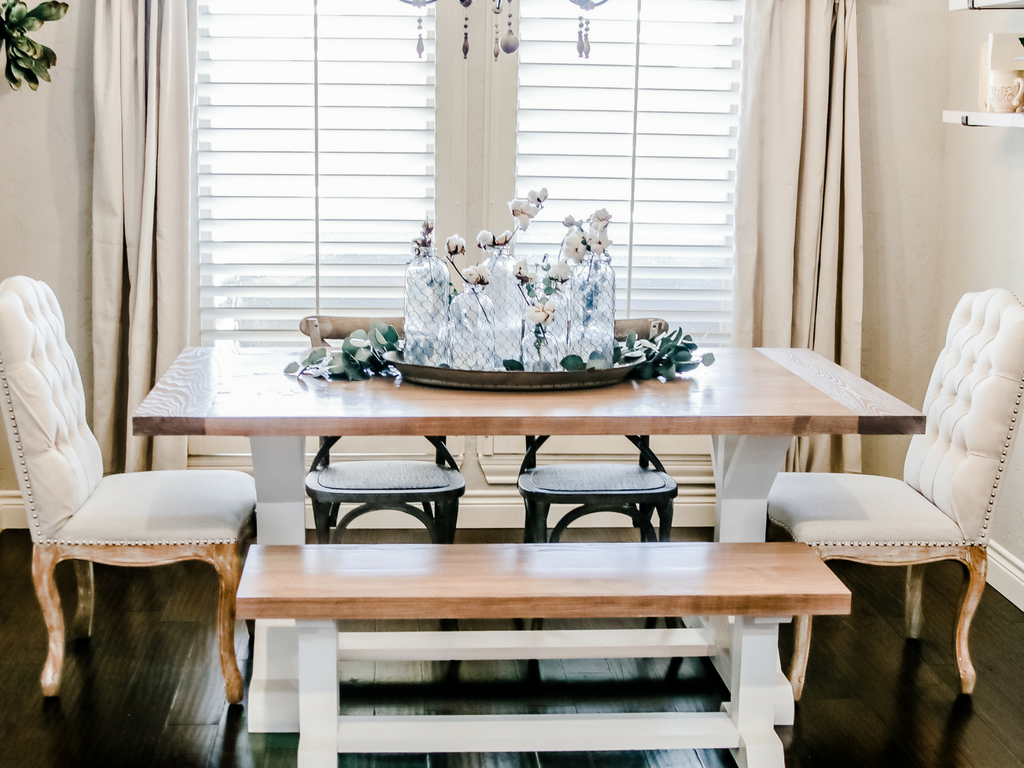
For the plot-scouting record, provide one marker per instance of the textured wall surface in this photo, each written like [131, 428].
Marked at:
[46, 183]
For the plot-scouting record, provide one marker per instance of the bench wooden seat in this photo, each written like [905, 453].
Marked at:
[760, 584]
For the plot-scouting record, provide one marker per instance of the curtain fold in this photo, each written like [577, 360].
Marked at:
[144, 83]
[799, 223]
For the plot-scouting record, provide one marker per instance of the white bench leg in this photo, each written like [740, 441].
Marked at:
[279, 465]
[318, 694]
[754, 656]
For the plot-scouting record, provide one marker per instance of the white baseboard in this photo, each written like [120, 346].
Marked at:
[1006, 574]
[12, 510]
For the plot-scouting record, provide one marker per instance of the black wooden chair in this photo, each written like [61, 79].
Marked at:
[635, 491]
[377, 485]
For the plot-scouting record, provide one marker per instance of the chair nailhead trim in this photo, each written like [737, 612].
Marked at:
[26, 482]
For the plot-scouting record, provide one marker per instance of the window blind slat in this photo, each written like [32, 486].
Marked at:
[261, 268]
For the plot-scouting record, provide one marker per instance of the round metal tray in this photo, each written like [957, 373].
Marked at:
[513, 381]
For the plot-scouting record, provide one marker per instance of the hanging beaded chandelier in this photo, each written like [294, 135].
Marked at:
[509, 43]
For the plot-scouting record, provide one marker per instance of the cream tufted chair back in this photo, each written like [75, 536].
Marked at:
[972, 408]
[56, 457]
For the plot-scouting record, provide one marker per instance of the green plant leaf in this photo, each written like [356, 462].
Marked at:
[391, 334]
[684, 367]
[631, 341]
[316, 356]
[291, 368]
[708, 358]
[362, 355]
[17, 12]
[513, 365]
[645, 371]
[13, 76]
[49, 11]
[573, 363]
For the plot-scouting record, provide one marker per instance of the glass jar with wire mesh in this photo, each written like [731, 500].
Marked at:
[427, 291]
[545, 344]
[470, 335]
[504, 292]
[592, 309]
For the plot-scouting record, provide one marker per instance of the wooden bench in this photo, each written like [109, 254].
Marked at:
[762, 585]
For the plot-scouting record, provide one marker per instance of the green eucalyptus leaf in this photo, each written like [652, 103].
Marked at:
[573, 363]
[50, 11]
[549, 290]
[513, 365]
[617, 355]
[391, 335]
[13, 77]
[631, 341]
[363, 355]
[17, 12]
[684, 367]
[291, 368]
[708, 358]
[667, 369]
[29, 24]
[645, 371]
[316, 356]
[377, 339]
[681, 355]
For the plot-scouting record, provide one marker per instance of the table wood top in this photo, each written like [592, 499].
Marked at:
[211, 391]
[462, 581]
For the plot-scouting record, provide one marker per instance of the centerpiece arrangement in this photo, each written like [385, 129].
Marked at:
[513, 325]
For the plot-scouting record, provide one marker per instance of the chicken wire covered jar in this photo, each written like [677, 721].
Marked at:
[427, 291]
[592, 309]
[545, 347]
[470, 335]
[503, 291]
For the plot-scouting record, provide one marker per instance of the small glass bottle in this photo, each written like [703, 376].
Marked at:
[592, 291]
[470, 337]
[426, 308]
[544, 347]
[503, 291]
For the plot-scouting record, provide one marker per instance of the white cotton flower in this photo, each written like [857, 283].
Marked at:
[485, 239]
[599, 219]
[560, 271]
[524, 211]
[573, 248]
[569, 221]
[477, 275]
[542, 196]
[541, 314]
[523, 273]
[504, 238]
[455, 245]
[597, 240]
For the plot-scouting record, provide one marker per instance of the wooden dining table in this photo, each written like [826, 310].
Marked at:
[750, 402]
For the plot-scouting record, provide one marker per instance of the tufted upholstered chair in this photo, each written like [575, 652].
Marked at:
[952, 476]
[74, 513]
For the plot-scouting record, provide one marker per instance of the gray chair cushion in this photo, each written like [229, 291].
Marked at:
[596, 478]
[386, 476]
[172, 507]
[819, 508]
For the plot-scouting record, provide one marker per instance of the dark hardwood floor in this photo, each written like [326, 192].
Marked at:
[146, 690]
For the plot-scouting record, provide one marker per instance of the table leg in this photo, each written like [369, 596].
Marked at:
[755, 647]
[279, 464]
[745, 467]
[318, 694]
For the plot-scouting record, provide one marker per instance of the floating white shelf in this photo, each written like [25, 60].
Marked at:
[997, 119]
[983, 5]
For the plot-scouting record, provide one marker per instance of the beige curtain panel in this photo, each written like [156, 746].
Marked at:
[144, 75]
[799, 225]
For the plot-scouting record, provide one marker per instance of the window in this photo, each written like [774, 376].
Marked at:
[647, 128]
[316, 161]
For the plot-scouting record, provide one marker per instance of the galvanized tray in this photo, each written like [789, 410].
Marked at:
[512, 381]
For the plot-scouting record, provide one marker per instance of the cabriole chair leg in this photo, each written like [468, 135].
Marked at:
[974, 585]
[44, 560]
[81, 625]
[801, 650]
[229, 570]
[913, 613]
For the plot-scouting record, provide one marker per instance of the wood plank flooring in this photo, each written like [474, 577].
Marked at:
[146, 689]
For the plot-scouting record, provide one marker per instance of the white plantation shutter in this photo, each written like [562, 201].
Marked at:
[273, 250]
[647, 128]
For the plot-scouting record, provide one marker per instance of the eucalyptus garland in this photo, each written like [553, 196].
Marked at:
[27, 60]
[360, 356]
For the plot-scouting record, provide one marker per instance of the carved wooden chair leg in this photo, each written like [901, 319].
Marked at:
[224, 558]
[801, 650]
[81, 625]
[913, 613]
[974, 584]
[44, 560]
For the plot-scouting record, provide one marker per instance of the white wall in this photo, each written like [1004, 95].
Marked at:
[981, 235]
[46, 184]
